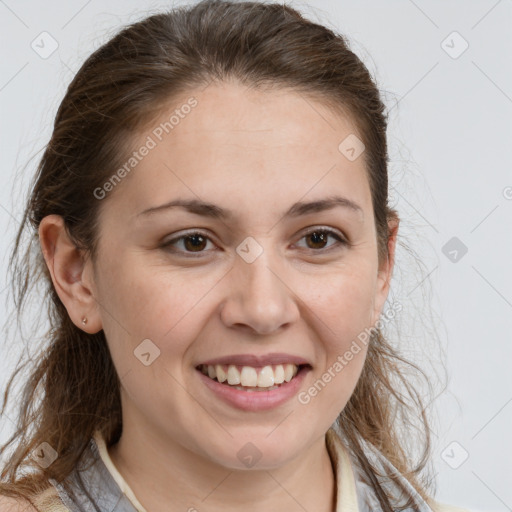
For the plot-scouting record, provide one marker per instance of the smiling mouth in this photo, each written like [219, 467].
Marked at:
[249, 378]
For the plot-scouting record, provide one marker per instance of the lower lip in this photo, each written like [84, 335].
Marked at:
[256, 400]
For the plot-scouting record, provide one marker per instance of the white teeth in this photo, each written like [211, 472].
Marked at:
[221, 374]
[249, 376]
[233, 375]
[251, 390]
[289, 371]
[279, 374]
[268, 377]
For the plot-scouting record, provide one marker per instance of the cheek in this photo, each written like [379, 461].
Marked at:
[340, 306]
[166, 308]
[151, 322]
[342, 302]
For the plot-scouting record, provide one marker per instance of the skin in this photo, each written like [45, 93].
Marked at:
[256, 153]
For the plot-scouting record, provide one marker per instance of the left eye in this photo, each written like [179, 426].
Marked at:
[195, 242]
[320, 236]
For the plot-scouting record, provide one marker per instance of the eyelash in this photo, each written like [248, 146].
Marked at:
[330, 232]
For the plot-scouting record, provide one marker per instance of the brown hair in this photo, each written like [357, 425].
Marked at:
[73, 388]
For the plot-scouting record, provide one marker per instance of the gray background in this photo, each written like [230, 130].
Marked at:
[450, 149]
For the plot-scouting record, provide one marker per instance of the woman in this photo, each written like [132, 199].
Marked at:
[218, 247]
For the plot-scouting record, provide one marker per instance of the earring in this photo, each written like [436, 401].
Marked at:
[84, 320]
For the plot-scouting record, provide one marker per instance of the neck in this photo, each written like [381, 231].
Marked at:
[170, 477]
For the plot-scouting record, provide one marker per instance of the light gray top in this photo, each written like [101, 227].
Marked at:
[106, 491]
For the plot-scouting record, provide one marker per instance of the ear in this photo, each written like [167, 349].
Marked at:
[69, 273]
[385, 270]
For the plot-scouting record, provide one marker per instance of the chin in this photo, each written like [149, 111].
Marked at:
[260, 451]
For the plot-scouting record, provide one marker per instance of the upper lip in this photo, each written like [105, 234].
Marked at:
[255, 360]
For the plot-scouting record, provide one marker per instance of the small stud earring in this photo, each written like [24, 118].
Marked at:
[84, 320]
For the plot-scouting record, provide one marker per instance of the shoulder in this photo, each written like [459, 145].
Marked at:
[442, 507]
[47, 499]
[15, 505]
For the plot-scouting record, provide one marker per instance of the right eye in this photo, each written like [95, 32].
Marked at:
[192, 242]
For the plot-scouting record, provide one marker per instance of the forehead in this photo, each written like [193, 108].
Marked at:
[238, 144]
[232, 113]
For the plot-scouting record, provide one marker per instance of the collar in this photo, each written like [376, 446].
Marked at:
[118, 478]
[346, 493]
[353, 493]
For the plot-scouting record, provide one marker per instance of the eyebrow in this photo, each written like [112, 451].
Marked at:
[214, 211]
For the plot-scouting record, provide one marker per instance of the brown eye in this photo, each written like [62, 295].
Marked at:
[319, 237]
[194, 242]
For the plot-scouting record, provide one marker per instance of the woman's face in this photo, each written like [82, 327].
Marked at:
[258, 278]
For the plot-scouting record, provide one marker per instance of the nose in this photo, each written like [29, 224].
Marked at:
[259, 299]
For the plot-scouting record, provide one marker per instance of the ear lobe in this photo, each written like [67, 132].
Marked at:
[66, 265]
